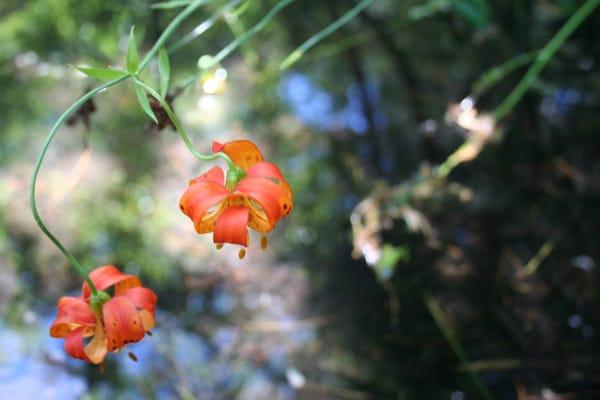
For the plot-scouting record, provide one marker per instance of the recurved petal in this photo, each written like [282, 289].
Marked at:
[142, 298]
[269, 170]
[202, 202]
[215, 175]
[122, 323]
[231, 226]
[73, 313]
[275, 201]
[243, 153]
[74, 344]
[107, 276]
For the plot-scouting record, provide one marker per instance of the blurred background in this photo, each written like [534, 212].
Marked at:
[410, 268]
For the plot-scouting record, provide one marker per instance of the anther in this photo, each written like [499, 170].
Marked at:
[219, 246]
[132, 356]
[242, 253]
[264, 242]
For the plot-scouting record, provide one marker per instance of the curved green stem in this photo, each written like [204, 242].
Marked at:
[181, 131]
[544, 56]
[32, 202]
[89, 95]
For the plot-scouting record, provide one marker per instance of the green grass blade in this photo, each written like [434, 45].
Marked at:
[144, 103]
[132, 56]
[312, 41]
[103, 74]
[164, 71]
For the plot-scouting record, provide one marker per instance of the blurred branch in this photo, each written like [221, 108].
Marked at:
[444, 325]
[543, 57]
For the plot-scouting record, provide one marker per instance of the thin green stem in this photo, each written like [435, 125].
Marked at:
[544, 56]
[313, 40]
[203, 27]
[181, 131]
[496, 74]
[32, 199]
[248, 34]
[168, 32]
[89, 95]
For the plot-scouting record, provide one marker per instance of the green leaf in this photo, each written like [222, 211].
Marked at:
[103, 74]
[390, 257]
[132, 57]
[167, 5]
[143, 100]
[164, 71]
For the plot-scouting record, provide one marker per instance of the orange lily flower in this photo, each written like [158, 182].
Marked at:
[259, 200]
[123, 319]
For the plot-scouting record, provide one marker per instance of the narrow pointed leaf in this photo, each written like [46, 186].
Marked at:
[164, 71]
[103, 74]
[132, 57]
[328, 30]
[144, 103]
[167, 5]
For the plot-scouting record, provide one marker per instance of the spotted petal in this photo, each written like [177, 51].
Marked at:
[202, 201]
[243, 153]
[122, 323]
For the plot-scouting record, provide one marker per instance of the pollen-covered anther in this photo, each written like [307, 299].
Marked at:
[242, 253]
[132, 356]
[264, 242]
[219, 246]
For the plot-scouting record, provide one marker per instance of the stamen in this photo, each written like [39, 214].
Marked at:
[149, 333]
[219, 246]
[242, 253]
[132, 356]
[264, 242]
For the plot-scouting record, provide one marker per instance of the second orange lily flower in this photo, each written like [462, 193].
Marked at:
[125, 318]
[259, 200]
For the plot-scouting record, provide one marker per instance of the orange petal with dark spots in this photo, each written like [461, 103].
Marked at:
[243, 153]
[142, 298]
[122, 323]
[231, 226]
[274, 200]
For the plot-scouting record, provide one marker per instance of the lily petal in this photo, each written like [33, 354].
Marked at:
[215, 175]
[142, 298]
[107, 276]
[74, 344]
[73, 313]
[122, 323]
[231, 226]
[201, 202]
[243, 153]
[96, 349]
[273, 198]
[271, 171]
